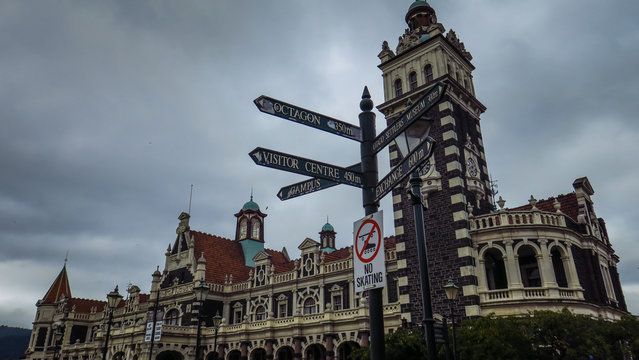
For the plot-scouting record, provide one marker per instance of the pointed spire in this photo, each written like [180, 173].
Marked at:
[59, 288]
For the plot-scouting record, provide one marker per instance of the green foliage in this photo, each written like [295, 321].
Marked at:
[548, 335]
[403, 344]
[544, 335]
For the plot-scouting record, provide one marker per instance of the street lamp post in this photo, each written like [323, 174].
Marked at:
[113, 300]
[451, 294]
[217, 321]
[406, 142]
[201, 292]
[57, 336]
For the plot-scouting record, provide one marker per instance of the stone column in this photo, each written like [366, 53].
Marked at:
[269, 349]
[512, 266]
[545, 266]
[330, 353]
[244, 351]
[351, 295]
[364, 338]
[571, 269]
[322, 307]
[298, 348]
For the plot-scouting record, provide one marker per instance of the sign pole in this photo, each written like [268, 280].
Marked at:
[369, 180]
[418, 213]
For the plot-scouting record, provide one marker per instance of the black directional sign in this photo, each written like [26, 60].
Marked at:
[296, 164]
[414, 112]
[295, 113]
[309, 186]
[403, 169]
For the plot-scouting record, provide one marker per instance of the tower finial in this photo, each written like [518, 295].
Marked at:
[251, 193]
[66, 257]
[190, 197]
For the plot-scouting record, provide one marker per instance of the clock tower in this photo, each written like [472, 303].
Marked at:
[455, 179]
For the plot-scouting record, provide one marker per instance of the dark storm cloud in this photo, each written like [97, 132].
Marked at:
[111, 110]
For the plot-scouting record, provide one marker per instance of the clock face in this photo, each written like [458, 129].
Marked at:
[472, 167]
[425, 168]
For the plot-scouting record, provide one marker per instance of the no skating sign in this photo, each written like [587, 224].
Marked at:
[369, 267]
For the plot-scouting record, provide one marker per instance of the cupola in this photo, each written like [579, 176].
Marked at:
[327, 238]
[420, 16]
[250, 230]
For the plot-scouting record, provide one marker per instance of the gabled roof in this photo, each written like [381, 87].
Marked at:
[223, 256]
[568, 202]
[59, 288]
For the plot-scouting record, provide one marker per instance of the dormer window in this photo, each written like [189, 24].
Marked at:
[428, 73]
[243, 228]
[255, 229]
[398, 87]
[260, 313]
[412, 81]
[309, 306]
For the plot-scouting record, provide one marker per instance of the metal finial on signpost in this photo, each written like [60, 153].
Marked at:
[369, 181]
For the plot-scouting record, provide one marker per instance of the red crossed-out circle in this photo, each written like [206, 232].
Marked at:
[374, 229]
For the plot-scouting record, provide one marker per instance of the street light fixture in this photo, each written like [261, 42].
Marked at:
[201, 293]
[57, 336]
[406, 142]
[451, 294]
[217, 321]
[113, 300]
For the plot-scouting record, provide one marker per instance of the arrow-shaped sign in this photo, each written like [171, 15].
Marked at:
[300, 115]
[409, 116]
[403, 169]
[310, 186]
[299, 165]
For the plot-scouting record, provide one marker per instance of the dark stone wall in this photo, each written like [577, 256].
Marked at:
[616, 283]
[441, 243]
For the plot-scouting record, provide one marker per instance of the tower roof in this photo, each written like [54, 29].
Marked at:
[328, 227]
[59, 288]
[417, 4]
[251, 205]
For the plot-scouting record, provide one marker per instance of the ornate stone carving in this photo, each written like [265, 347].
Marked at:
[452, 37]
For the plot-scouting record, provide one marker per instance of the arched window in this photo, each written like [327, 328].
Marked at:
[412, 81]
[309, 306]
[528, 267]
[558, 267]
[428, 73]
[260, 313]
[243, 228]
[495, 270]
[398, 87]
[255, 230]
[172, 317]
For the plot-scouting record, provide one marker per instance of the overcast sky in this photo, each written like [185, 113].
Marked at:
[109, 111]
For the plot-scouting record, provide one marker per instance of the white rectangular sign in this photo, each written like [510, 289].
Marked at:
[369, 265]
[158, 326]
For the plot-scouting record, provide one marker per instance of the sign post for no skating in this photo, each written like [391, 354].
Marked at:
[369, 267]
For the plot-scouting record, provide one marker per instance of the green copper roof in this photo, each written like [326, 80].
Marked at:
[328, 227]
[251, 205]
[418, 4]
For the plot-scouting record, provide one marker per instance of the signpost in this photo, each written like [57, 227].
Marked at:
[369, 265]
[369, 258]
[403, 169]
[414, 112]
[299, 165]
[300, 115]
[309, 186]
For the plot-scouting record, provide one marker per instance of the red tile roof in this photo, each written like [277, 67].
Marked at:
[59, 288]
[569, 205]
[85, 305]
[279, 260]
[223, 256]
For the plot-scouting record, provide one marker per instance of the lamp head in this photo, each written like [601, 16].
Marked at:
[201, 291]
[413, 136]
[217, 320]
[114, 298]
[451, 290]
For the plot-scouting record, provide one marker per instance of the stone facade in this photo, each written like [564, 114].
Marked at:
[274, 308]
[570, 245]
